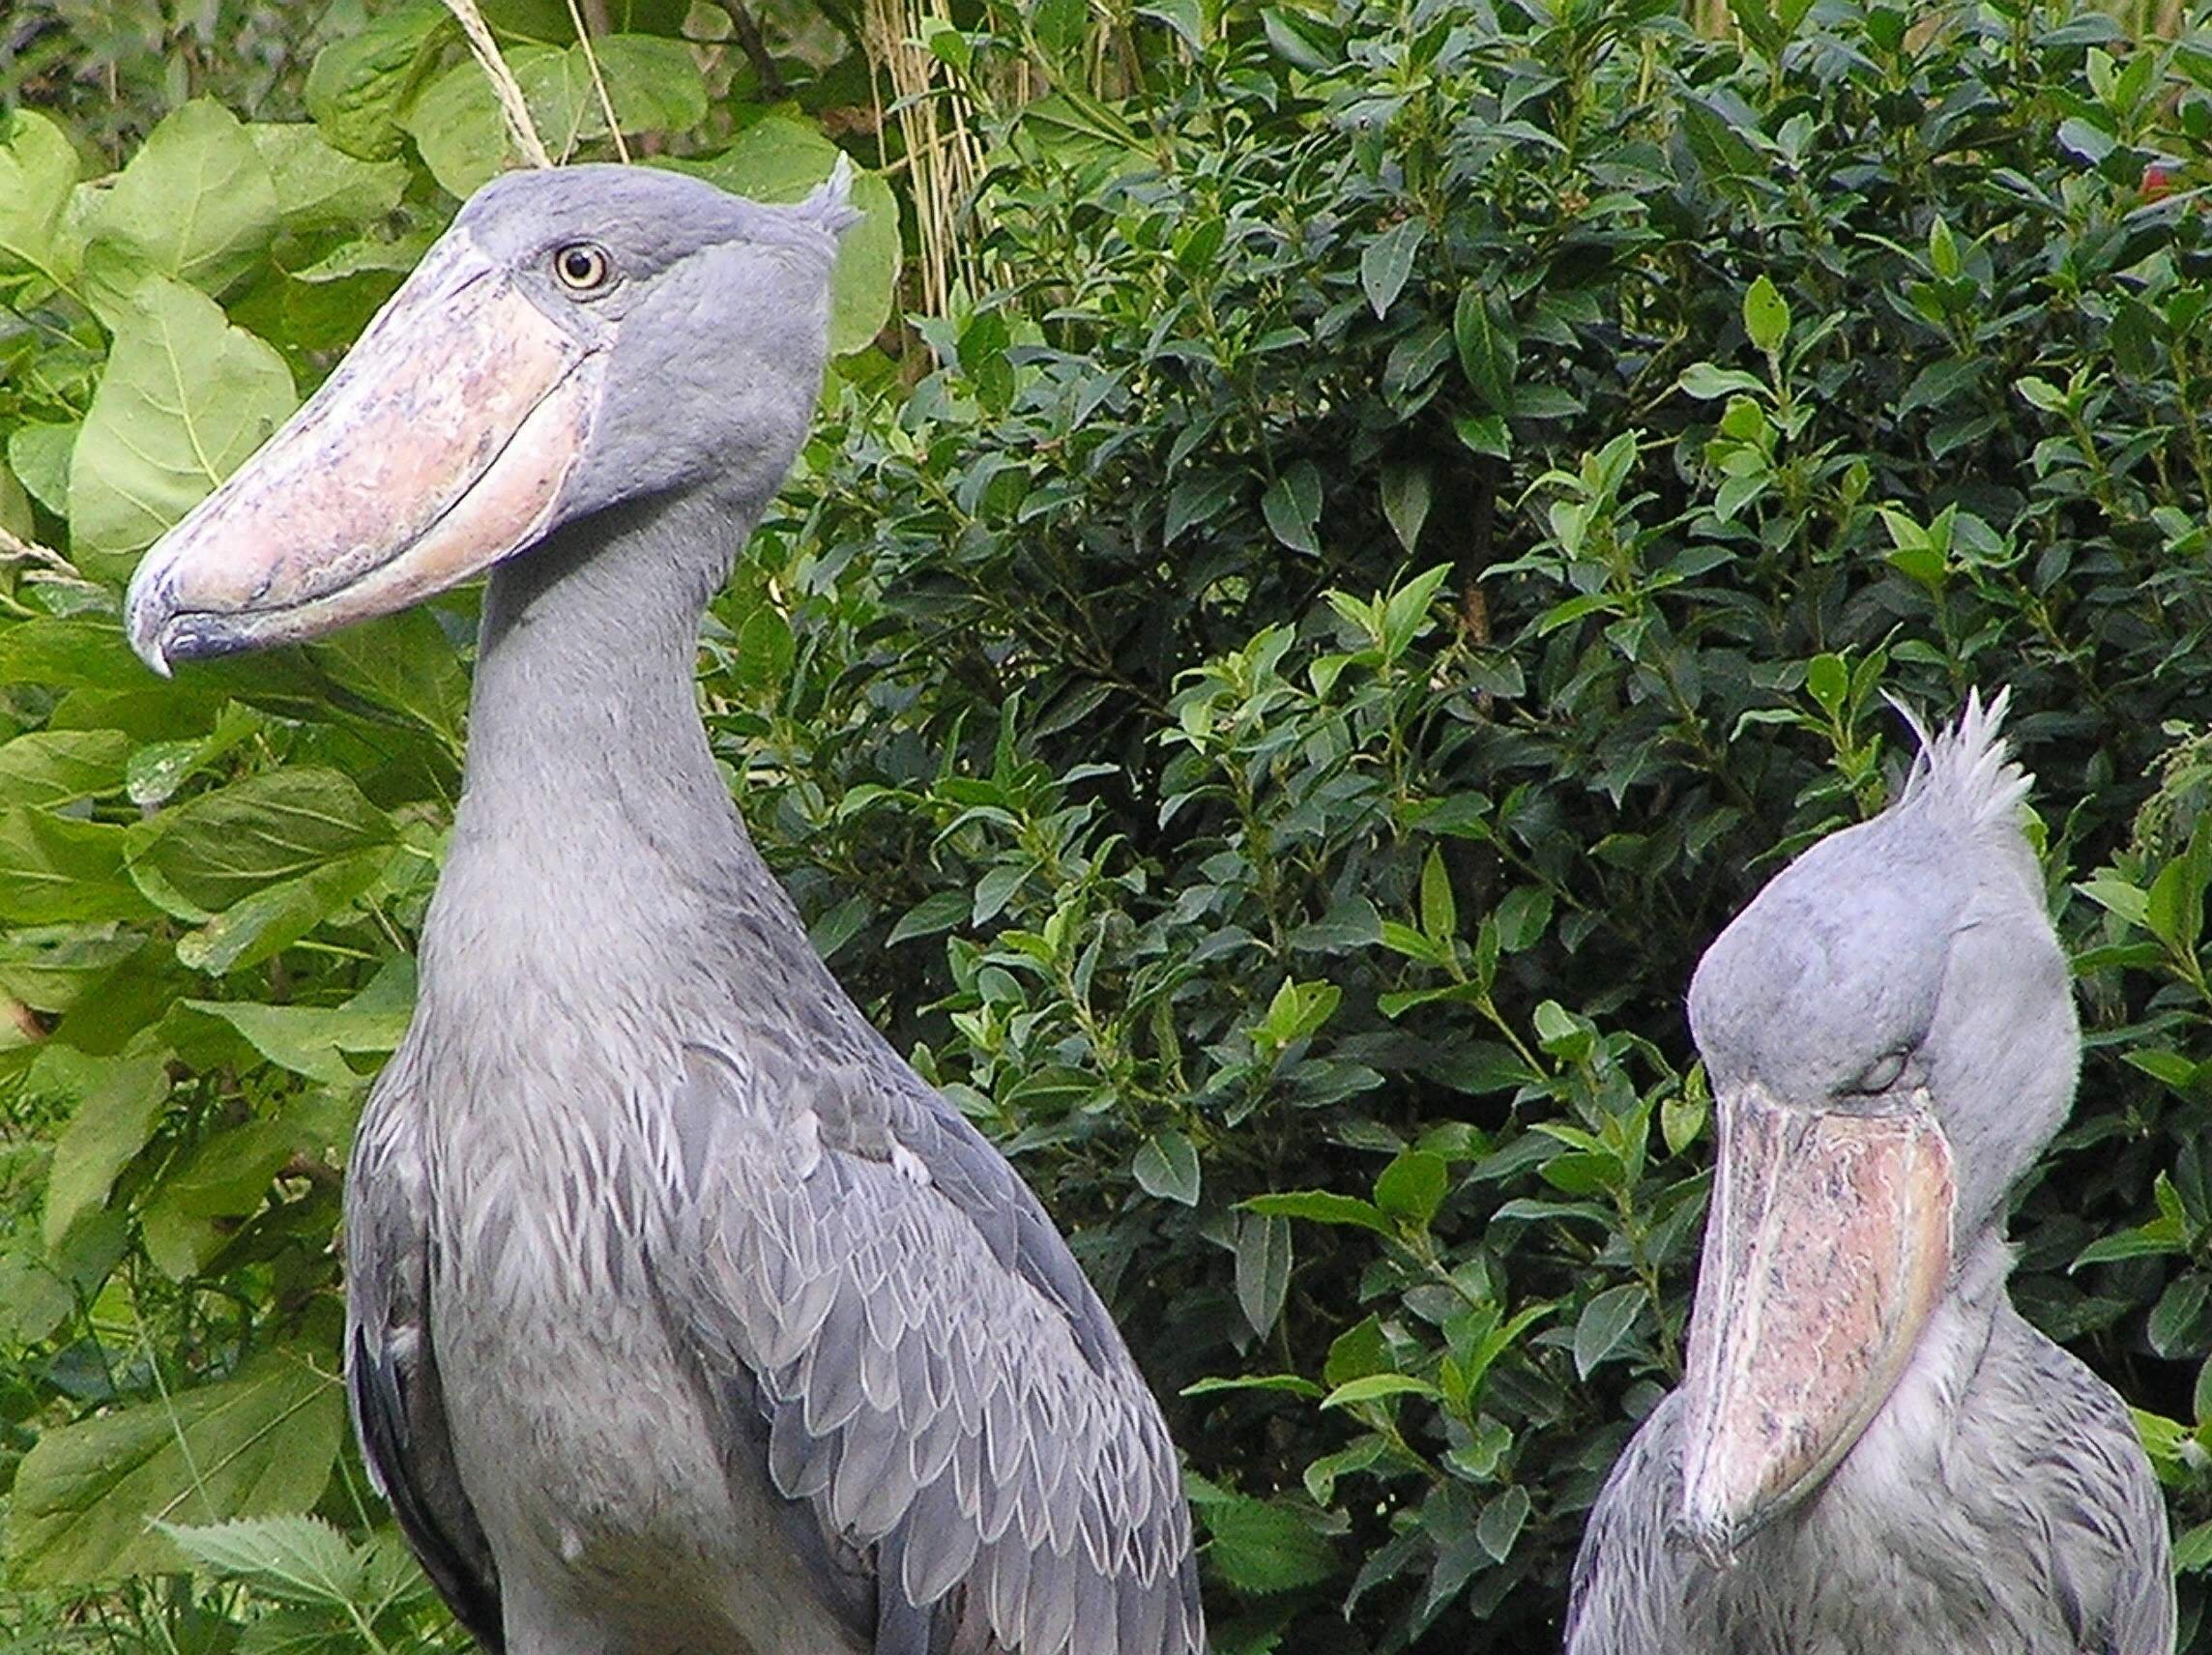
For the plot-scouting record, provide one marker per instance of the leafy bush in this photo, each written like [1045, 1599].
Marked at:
[1268, 702]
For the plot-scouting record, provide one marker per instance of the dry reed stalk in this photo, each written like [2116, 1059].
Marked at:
[945, 159]
[599, 81]
[504, 85]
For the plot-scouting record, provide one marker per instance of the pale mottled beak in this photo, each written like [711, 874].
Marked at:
[1827, 1251]
[439, 446]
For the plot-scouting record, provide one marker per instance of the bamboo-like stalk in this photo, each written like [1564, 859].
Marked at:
[945, 159]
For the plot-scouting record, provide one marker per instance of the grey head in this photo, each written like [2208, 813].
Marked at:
[579, 339]
[1890, 1035]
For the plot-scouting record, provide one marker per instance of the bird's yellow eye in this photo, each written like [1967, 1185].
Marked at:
[582, 267]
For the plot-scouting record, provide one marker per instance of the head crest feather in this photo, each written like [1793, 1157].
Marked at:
[829, 204]
[1965, 773]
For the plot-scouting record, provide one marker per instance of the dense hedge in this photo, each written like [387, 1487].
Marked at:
[1267, 702]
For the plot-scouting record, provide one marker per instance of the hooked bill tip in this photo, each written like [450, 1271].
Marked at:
[146, 615]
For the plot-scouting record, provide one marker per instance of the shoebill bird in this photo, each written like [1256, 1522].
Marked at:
[1871, 1453]
[683, 1318]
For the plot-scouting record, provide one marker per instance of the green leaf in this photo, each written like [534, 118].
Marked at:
[195, 204]
[404, 664]
[260, 925]
[318, 185]
[652, 81]
[38, 170]
[185, 398]
[1766, 316]
[1388, 261]
[219, 848]
[40, 456]
[1828, 682]
[1405, 486]
[1378, 1387]
[762, 659]
[1604, 1324]
[1360, 1350]
[1260, 1548]
[51, 768]
[1440, 913]
[58, 870]
[939, 911]
[311, 1039]
[1263, 1268]
[84, 1496]
[1412, 1186]
[1166, 1167]
[1501, 1522]
[777, 158]
[1290, 1384]
[293, 1559]
[1705, 382]
[1489, 355]
[358, 85]
[1320, 1206]
[1292, 507]
[113, 1104]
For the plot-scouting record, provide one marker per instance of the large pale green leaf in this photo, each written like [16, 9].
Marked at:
[310, 1039]
[86, 1497]
[113, 1104]
[39, 457]
[38, 170]
[195, 203]
[652, 81]
[777, 158]
[59, 766]
[219, 848]
[186, 397]
[359, 86]
[48, 970]
[457, 128]
[654, 85]
[319, 186]
[65, 655]
[404, 664]
[59, 870]
[255, 927]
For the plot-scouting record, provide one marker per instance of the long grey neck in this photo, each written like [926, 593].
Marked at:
[595, 831]
[585, 659]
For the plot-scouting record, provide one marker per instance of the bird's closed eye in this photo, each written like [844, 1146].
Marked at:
[1878, 1076]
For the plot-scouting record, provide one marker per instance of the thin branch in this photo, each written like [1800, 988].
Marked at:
[503, 82]
[755, 46]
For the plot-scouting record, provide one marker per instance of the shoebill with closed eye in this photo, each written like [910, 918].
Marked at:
[1870, 1452]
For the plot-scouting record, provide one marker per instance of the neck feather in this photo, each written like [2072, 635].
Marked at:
[593, 819]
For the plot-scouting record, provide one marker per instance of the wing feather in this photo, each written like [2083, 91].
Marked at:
[941, 1386]
[392, 1370]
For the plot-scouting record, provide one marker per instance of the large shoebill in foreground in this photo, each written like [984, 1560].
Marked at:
[684, 1319]
[1871, 1453]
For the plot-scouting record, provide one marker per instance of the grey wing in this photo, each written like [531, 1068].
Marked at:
[2109, 1546]
[937, 1380]
[391, 1371]
[1628, 1582]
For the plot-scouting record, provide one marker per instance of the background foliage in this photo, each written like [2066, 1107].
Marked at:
[1382, 525]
